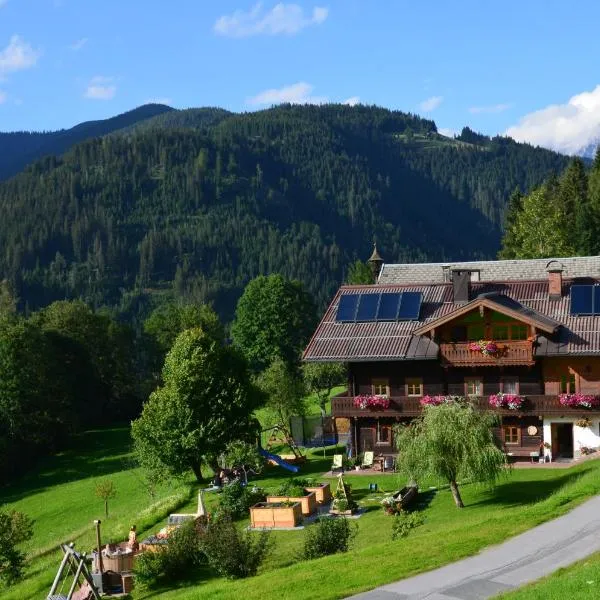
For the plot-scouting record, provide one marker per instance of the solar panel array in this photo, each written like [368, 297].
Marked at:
[585, 299]
[385, 306]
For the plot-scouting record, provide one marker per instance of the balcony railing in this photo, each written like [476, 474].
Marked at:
[404, 406]
[509, 353]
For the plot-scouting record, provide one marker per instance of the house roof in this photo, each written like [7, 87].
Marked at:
[491, 270]
[378, 341]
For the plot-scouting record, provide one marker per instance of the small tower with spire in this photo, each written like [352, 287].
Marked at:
[375, 262]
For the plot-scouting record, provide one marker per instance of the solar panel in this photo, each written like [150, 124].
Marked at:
[347, 307]
[410, 306]
[388, 306]
[367, 307]
[582, 300]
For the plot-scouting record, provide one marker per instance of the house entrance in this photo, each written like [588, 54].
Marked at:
[562, 440]
[367, 439]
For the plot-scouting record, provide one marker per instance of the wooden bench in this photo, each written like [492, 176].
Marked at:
[532, 453]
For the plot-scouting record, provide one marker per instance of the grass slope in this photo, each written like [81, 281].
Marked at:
[577, 582]
[60, 497]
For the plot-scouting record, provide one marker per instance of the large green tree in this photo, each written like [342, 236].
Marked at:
[451, 442]
[206, 402]
[274, 319]
[511, 242]
[359, 273]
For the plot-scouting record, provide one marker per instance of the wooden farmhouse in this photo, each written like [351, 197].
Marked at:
[519, 337]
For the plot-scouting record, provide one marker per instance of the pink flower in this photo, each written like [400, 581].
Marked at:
[509, 401]
[370, 401]
[579, 400]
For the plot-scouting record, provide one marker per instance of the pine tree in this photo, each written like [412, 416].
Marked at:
[510, 241]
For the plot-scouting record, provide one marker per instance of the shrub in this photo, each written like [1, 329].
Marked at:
[328, 536]
[293, 488]
[236, 499]
[174, 561]
[15, 528]
[404, 522]
[233, 553]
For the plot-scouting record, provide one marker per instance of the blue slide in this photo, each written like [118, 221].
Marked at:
[278, 460]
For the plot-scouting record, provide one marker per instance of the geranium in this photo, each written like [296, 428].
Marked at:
[371, 401]
[437, 400]
[509, 401]
[486, 347]
[579, 400]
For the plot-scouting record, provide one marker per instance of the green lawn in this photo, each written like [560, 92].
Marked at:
[578, 582]
[59, 496]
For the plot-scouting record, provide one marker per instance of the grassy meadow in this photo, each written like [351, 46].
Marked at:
[59, 495]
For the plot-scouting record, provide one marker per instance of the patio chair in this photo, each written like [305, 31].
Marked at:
[389, 463]
[338, 463]
[367, 461]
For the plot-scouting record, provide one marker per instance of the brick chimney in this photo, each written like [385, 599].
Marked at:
[555, 270]
[461, 286]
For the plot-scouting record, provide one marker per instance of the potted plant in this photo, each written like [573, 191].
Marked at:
[294, 490]
[485, 347]
[439, 399]
[373, 402]
[507, 401]
[579, 400]
[583, 422]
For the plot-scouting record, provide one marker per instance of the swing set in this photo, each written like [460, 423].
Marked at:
[73, 565]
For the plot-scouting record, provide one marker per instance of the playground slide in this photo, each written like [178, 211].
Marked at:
[278, 460]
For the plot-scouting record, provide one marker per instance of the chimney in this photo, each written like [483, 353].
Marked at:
[375, 262]
[555, 282]
[461, 286]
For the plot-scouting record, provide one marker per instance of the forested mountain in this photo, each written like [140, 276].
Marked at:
[195, 203]
[20, 148]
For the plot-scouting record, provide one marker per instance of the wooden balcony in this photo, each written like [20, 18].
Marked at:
[403, 406]
[457, 354]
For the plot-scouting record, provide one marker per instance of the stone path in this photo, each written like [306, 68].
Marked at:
[520, 560]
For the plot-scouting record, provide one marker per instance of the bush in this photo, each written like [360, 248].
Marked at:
[236, 499]
[233, 553]
[172, 563]
[328, 536]
[15, 528]
[293, 488]
[404, 522]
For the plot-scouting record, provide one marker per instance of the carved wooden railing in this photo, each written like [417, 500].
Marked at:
[509, 353]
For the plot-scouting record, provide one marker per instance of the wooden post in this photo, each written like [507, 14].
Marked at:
[100, 565]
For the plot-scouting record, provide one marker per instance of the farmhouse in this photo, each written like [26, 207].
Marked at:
[520, 337]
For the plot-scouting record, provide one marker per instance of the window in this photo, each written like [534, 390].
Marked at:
[509, 385]
[500, 332]
[476, 332]
[381, 387]
[567, 384]
[511, 435]
[474, 386]
[519, 332]
[384, 434]
[414, 387]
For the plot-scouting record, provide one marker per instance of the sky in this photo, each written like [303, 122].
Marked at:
[527, 68]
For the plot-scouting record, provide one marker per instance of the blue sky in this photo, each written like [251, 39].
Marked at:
[528, 67]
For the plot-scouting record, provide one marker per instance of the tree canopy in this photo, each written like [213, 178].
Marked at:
[274, 319]
[451, 441]
[207, 401]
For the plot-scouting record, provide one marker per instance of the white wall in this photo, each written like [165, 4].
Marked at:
[582, 436]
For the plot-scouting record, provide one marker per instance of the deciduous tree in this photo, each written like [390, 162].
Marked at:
[451, 442]
[15, 528]
[321, 378]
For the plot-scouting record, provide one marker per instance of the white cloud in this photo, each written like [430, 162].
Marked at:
[101, 88]
[3, 97]
[446, 131]
[18, 55]
[567, 127]
[431, 103]
[167, 101]
[281, 19]
[78, 45]
[492, 108]
[352, 101]
[297, 93]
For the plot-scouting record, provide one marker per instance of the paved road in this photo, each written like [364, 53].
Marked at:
[520, 560]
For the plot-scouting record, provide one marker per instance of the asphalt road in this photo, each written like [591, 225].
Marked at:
[520, 560]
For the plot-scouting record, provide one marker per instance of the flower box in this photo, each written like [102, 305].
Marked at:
[275, 514]
[308, 502]
[437, 400]
[579, 401]
[371, 401]
[322, 492]
[507, 401]
[485, 347]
